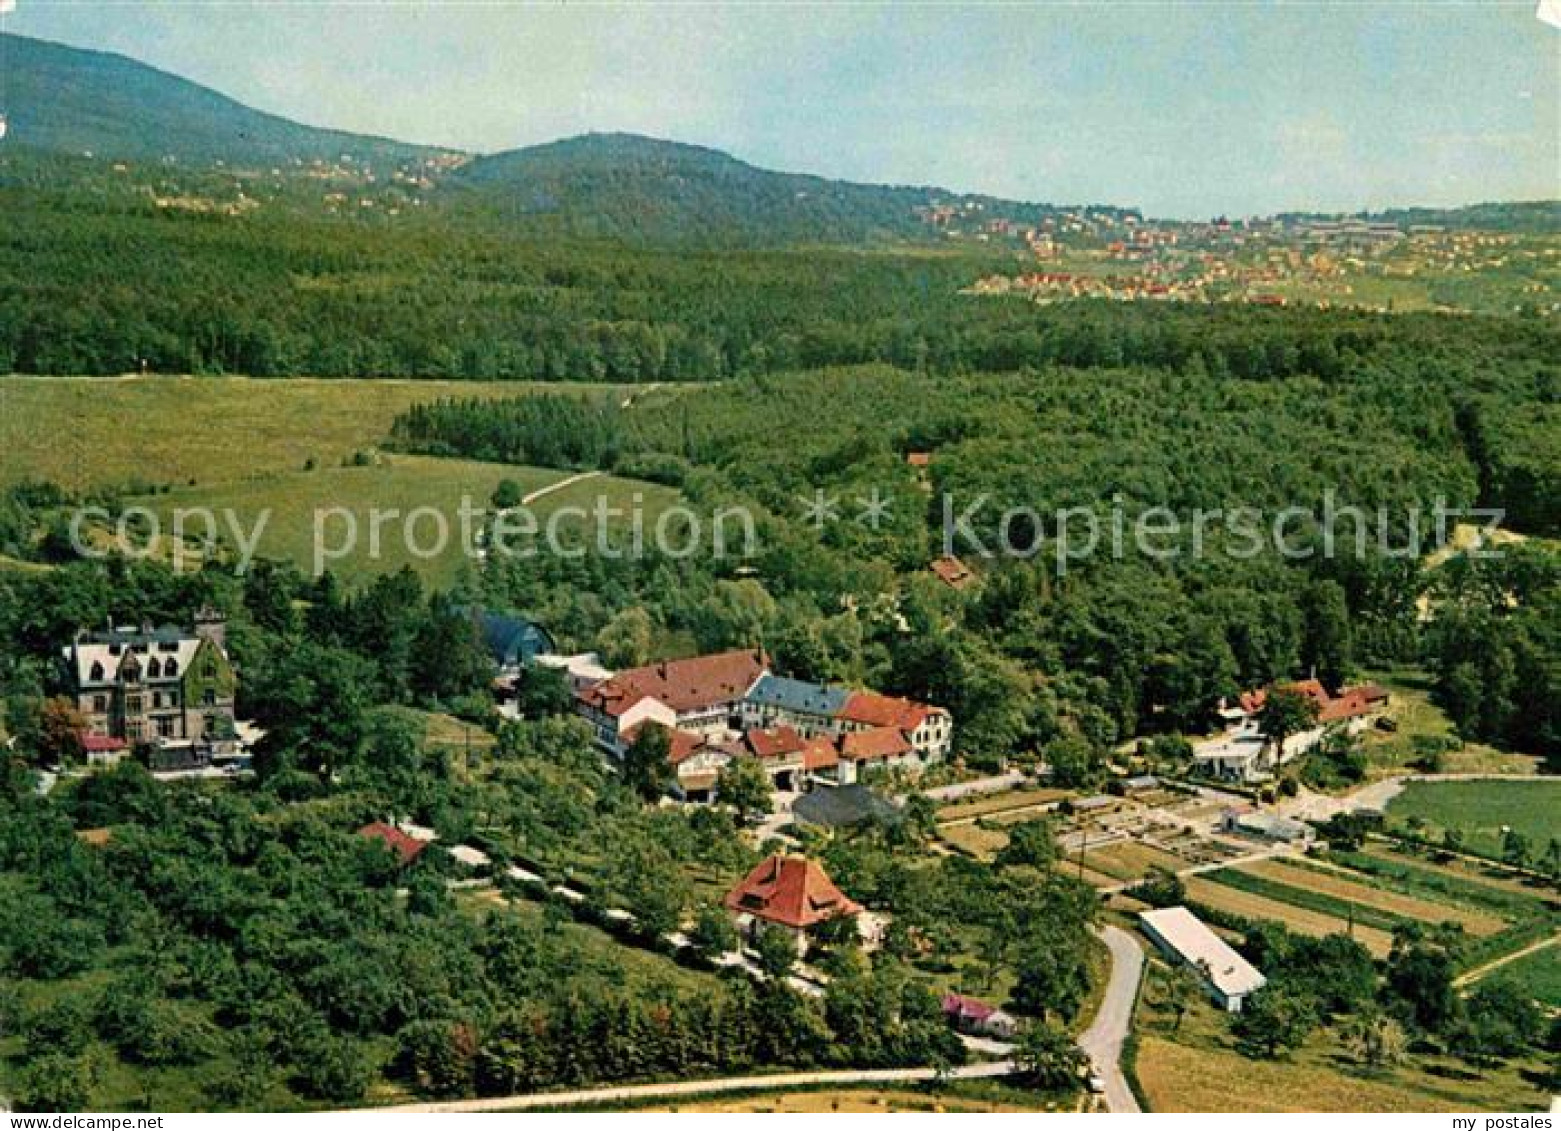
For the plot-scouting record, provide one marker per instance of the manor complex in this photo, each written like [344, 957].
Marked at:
[730, 705]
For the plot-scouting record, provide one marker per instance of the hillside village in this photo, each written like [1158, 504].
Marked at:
[319, 793]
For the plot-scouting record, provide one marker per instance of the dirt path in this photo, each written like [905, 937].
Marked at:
[1471, 976]
[568, 481]
[636, 1092]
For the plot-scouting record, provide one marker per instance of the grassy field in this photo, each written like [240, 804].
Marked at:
[847, 1102]
[85, 432]
[1480, 809]
[1418, 720]
[1537, 974]
[1199, 1068]
[300, 501]
[1130, 861]
[976, 840]
[1457, 880]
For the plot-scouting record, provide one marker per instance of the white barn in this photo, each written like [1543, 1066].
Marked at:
[1183, 937]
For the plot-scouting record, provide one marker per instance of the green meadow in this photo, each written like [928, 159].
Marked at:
[86, 432]
[1481, 809]
[363, 521]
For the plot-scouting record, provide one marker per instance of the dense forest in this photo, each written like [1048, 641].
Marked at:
[1050, 653]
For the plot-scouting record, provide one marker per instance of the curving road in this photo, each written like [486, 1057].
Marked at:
[684, 1088]
[1102, 1041]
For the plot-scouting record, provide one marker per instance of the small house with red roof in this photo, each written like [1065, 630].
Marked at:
[103, 749]
[791, 894]
[977, 1018]
[406, 847]
[953, 573]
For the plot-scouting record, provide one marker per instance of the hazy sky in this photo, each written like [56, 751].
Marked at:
[1186, 109]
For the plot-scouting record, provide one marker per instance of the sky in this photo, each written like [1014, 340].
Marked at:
[1185, 109]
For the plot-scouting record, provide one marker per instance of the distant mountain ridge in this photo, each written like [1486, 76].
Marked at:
[66, 100]
[70, 100]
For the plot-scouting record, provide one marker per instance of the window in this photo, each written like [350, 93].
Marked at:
[100, 703]
[154, 670]
[132, 705]
[171, 668]
[209, 697]
[165, 727]
[96, 675]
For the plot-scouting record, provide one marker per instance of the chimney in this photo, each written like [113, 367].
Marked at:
[212, 625]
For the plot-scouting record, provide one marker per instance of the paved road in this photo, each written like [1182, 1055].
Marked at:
[639, 1092]
[1102, 1041]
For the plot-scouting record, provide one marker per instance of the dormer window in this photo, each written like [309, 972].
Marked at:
[96, 674]
[154, 670]
[171, 668]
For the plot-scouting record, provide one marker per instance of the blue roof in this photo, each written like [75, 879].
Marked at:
[798, 695]
[510, 639]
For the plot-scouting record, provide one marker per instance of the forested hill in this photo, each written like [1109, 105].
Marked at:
[68, 100]
[641, 189]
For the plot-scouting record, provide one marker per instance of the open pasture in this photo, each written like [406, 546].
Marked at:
[326, 516]
[1482, 809]
[90, 432]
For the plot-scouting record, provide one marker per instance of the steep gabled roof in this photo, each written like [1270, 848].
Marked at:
[683, 685]
[407, 848]
[797, 695]
[792, 891]
[874, 745]
[820, 754]
[869, 708]
[778, 743]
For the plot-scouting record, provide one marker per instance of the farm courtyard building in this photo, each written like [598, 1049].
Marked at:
[1184, 938]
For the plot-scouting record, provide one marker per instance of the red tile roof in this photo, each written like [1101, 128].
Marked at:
[684, 685]
[681, 745]
[102, 743]
[792, 891]
[953, 572]
[872, 709]
[778, 743]
[405, 847]
[1350, 703]
[820, 754]
[875, 744]
[966, 1008]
